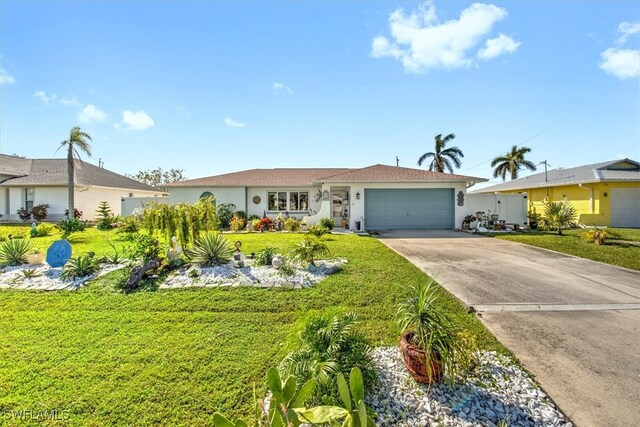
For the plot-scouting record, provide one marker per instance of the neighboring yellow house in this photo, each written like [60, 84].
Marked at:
[604, 194]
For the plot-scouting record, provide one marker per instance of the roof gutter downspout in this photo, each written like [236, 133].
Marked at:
[590, 196]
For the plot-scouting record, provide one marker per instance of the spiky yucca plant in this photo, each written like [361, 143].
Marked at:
[210, 249]
[330, 345]
[14, 251]
[308, 250]
[81, 266]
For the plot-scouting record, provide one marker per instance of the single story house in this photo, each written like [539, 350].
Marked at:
[377, 197]
[25, 183]
[604, 194]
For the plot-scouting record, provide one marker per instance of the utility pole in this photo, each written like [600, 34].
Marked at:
[545, 169]
[397, 161]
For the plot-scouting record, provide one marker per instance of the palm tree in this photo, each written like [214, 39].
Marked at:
[512, 162]
[559, 215]
[78, 140]
[443, 157]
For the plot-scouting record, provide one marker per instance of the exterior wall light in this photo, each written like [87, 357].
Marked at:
[358, 195]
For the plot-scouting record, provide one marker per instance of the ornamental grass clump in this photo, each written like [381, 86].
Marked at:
[210, 249]
[14, 251]
[265, 256]
[329, 346]
[81, 266]
[308, 250]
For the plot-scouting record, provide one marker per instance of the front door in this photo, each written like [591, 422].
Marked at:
[340, 207]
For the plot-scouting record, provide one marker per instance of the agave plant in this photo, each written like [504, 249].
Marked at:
[210, 249]
[559, 215]
[81, 266]
[14, 251]
[330, 345]
[308, 250]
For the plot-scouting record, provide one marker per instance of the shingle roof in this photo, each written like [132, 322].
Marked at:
[613, 170]
[14, 165]
[386, 173]
[306, 177]
[262, 177]
[53, 172]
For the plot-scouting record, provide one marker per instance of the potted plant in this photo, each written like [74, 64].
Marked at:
[430, 342]
[466, 222]
[35, 257]
[533, 218]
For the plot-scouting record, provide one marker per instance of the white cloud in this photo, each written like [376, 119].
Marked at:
[42, 96]
[233, 124]
[137, 120]
[6, 78]
[621, 63]
[281, 87]
[498, 46]
[90, 114]
[73, 102]
[421, 43]
[627, 29]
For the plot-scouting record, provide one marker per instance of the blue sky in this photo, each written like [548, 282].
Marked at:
[215, 87]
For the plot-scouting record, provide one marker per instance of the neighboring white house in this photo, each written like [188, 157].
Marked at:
[25, 183]
[378, 197]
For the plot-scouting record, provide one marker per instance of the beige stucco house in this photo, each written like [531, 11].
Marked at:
[28, 182]
[378, 197]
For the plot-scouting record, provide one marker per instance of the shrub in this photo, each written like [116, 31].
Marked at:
[252, 217]
[129, 224]
[105, 216]
[77, 213]
[264, 224]
[265, 256]
[327, 223]
[236, 224]
[308, 250]
[82, 266]
[559, 215]
[71, 225]
[39, 212]
[597, 235]
[255, 223]
[292, 224]
[210, 249]
[330, 345]
[45, 229]
[14, 251]
[318, 230]
[145, 248]
[24, 214]
[241, 214]
[225, 213]
[286, 269]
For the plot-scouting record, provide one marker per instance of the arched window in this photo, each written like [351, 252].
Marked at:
[206, 194]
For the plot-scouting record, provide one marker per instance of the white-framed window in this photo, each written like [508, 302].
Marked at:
[28, 198]
[295, 201]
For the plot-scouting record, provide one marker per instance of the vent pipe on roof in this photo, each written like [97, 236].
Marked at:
[397, 161]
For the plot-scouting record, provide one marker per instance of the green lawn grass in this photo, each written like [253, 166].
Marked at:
[174, 357]
[623, 251]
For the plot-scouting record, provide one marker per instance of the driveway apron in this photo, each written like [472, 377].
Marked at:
[573, 323]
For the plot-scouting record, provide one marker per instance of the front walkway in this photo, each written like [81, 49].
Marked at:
[573, 323]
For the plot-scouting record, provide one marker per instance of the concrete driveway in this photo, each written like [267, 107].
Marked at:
[573, 323]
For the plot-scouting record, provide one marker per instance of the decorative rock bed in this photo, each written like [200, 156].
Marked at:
[261, 277]
[47, 278]
[497, 391]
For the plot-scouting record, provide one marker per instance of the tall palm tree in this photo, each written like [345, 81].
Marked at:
[512, 162]
[443, 157]
[78, 140]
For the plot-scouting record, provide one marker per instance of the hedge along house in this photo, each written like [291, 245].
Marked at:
[377, 197]
[25, 183]
[604, 194]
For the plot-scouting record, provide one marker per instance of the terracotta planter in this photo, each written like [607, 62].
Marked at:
[415, 361]
[35, 259]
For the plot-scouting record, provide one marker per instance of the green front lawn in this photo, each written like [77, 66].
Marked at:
[175, 357]
[623, 251]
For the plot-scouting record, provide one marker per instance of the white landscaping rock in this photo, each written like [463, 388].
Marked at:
[497, 390]
[262, 277]
[48, 278]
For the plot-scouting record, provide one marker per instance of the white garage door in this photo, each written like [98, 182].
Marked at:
[409, 209]
[625, 207]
